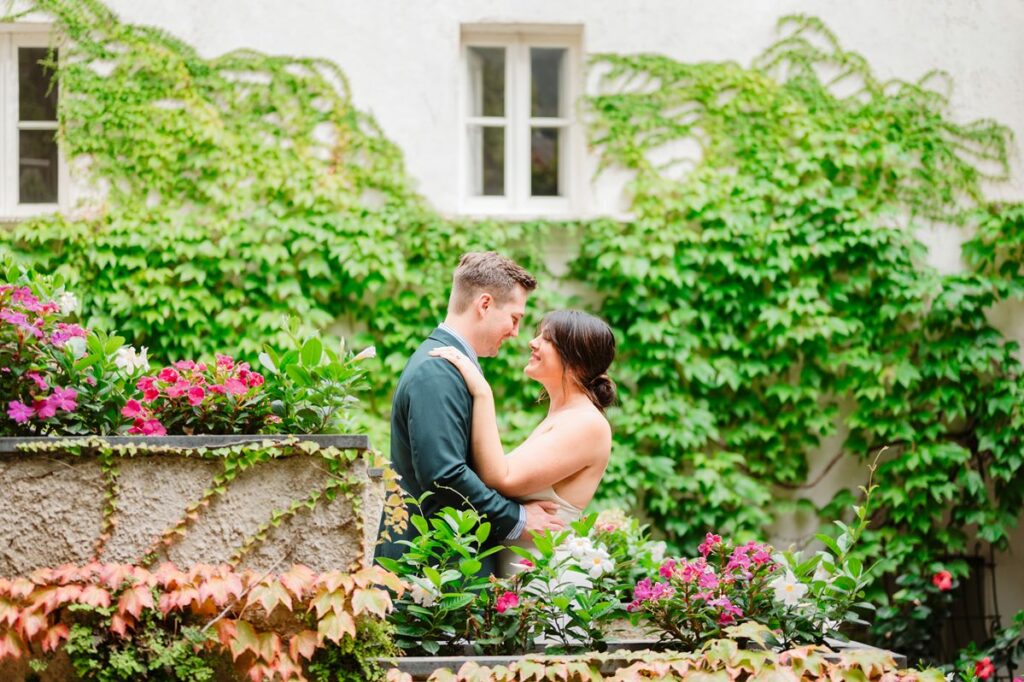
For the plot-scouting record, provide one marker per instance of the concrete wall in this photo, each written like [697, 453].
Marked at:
[51, 513]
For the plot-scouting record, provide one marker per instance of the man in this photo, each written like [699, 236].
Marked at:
[431, 413]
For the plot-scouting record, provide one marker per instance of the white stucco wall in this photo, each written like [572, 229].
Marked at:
[402, 57]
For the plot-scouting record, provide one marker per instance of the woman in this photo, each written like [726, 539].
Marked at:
[565, 457]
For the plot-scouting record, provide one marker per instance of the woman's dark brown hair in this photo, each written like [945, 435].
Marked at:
[586, 346]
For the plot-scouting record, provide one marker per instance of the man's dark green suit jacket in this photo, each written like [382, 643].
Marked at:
[431, 417]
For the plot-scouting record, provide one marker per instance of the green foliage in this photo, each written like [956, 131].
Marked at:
[352, 659]
[157, 652]
[775, 295]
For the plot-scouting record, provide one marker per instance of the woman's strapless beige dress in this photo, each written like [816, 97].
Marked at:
[567, 512]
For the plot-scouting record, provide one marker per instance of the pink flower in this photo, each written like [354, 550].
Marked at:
[525, 564]
[235, 387]
[667, 567]
[255, 379]
[8, 315]
[943, 580]
[40, 381]
[132, 409]
[984, 668]
[710, 542]
[708, 580]
[185, 365]
[217, 388]
[196, 395]
[150, 395]
[44, 408]
[168, 375]
[24, 297]
[64, 332]
[153, 427]
[64, 399]
[507, 601]
[145, 383]
[19, 411]
[177, 389]
[225, 362]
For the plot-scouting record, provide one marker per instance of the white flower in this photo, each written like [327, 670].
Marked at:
[597, 563]
[822, 574]
[129, 361]
[424, 596]
[579, 547]
[367, 353]
[76, 344]
[67, 303]
[657, 550]
[788, 589]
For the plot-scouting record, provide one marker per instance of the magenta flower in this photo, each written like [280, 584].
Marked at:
[64, 399]
[235, 387]
[169, 375]
[225, 362]
[177, 389]
[44, 408]
[132, 409]
[153, 427]
[710, 542]
[8, 315]
[196, 395]
[508, 600]
[185, 365]
[38, 379]
[19, 411]
[667, 567]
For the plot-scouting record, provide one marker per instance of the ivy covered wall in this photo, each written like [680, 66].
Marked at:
[771, 298]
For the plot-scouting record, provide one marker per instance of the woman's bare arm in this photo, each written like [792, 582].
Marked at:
[546, 459]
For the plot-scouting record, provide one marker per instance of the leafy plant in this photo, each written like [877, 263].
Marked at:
[312, 384]
[130, 623]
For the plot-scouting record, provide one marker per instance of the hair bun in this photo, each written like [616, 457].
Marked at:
[602, 390]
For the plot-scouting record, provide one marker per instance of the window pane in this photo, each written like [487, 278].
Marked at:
[37, 167]
[544, 162]
[546, 78]
[487, 161]
[487, 81]
[36, 100]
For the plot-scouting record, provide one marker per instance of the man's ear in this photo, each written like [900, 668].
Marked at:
[484, 302]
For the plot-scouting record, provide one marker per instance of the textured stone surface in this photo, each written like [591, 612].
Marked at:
[51, 512]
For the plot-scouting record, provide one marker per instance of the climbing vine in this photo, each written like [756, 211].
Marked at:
[769, 291]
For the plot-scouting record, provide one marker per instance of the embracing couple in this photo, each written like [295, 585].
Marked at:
[444, 431]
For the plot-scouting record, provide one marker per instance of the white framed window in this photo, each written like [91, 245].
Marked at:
[521, 146]
[33, 176]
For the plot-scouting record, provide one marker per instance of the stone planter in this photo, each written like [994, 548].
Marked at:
[58, 507]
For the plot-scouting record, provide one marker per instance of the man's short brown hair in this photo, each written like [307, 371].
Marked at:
[489, 272]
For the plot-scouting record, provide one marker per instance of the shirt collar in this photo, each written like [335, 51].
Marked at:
[466, 348]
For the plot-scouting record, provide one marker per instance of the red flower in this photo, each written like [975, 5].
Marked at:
[507, 601]
[235, 387]
[984, 668]
[943, 580]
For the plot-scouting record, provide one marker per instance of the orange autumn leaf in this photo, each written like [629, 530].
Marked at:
[303, 644]
[134, 599]
[30, 623]
[299, 580]
[270, 596]
[54, 636]
[244, 639]
[11, 645]
[371, 600]
[335, 626]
